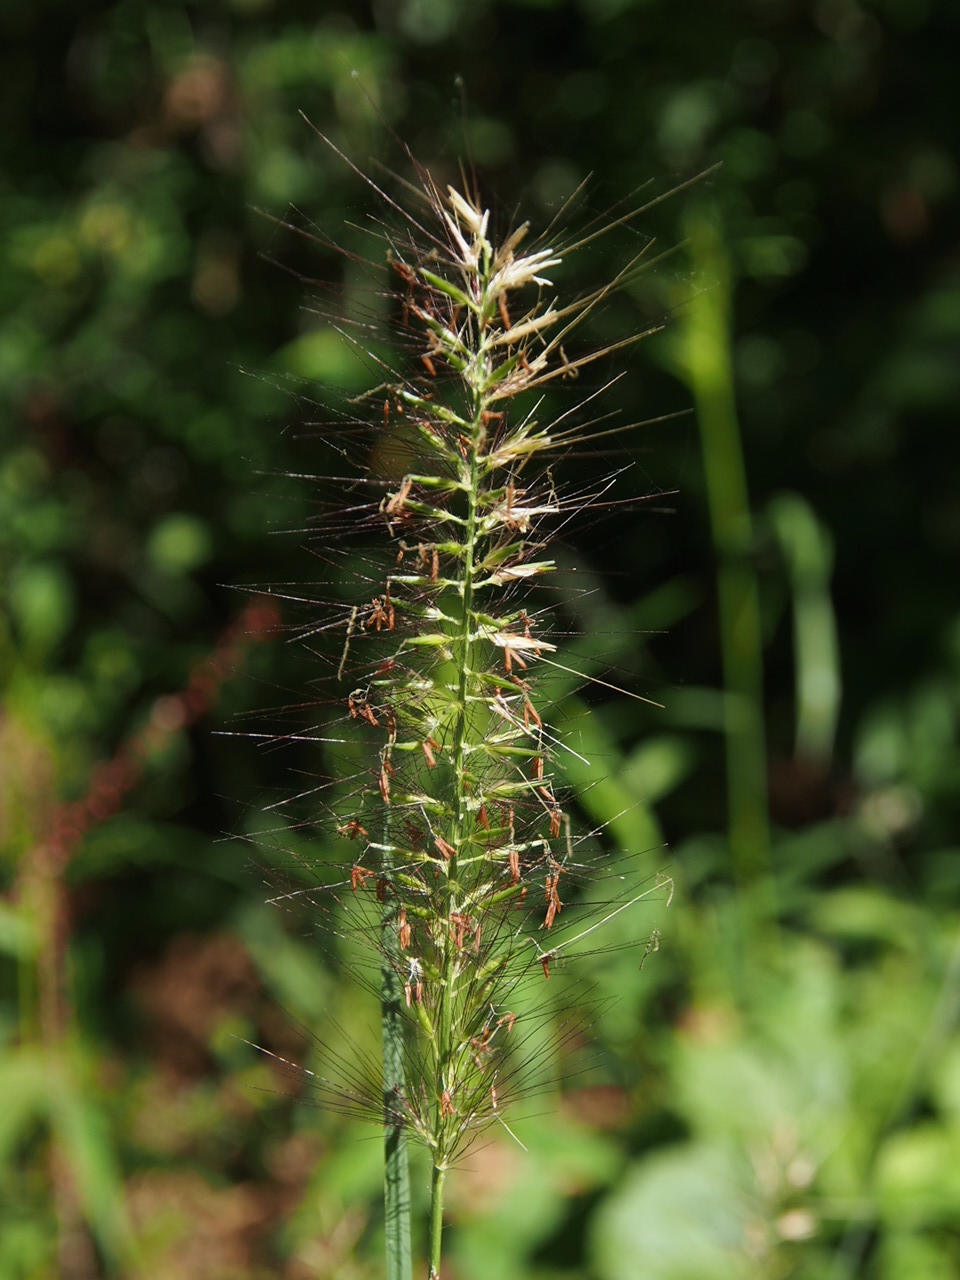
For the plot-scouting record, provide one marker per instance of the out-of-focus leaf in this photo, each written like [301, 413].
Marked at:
[918, 1177]
[17, 933]
[682, 1214]
[600, 787]
[43, 605]
[179, 544]
[658, 766]
[946, 1081]
[517, 1188]
[80, 1126]
[861, 912]
[921, 1257]
[325, 356]
[25, 1089]
[291, 967]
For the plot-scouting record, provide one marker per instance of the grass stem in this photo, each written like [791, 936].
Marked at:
[708, 364]
[396, 1189]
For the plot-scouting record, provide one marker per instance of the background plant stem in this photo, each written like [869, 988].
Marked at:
[708, 366]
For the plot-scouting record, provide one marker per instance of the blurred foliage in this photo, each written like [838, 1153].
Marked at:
[760, 1105]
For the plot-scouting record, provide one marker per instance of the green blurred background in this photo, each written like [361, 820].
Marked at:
[776, 1092]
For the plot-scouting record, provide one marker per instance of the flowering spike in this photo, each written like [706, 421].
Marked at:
[460, 796]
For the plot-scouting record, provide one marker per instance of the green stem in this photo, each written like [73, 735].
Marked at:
[709, 369]
[436, 1220]
[396, 1189]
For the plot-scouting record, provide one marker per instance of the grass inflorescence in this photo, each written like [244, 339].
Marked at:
[458, 847]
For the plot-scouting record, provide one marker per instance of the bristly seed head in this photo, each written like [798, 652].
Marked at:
[460, 796]
[459, 818]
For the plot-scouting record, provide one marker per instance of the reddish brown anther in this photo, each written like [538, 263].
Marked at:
[393, 504]
[352, 829]
[414, 833]
[359, 877]
[381, 613]
[514, 859]
[406, 273]
[459, 924]
[403, 929]
[444, 847]
[365, 712]
[386, 769]
[551, 888]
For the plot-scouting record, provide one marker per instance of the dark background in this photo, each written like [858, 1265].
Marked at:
[761, 1103]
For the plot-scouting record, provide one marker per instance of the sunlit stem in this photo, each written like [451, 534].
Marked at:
[396, 1189]
[436, 1220]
